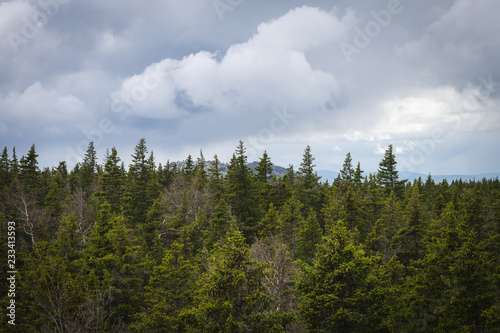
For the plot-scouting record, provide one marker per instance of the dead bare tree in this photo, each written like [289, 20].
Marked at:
[30, 213]
[85, 212]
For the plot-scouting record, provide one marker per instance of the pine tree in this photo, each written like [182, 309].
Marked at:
[307, 183]
[291, 218]
[142, 187]
[216, 180]
[347, 173]
[240, 191]
[188, 168]
[358, 175]
[410, 238]
[386, 227]
[14, 165]
[200, 170]
[111, 182]
[89, 167]
[219, 225]
[171, 290]
[387, 173]
[264, 169]
[307, 177]
[270, 225]
[337, 287]
[231, 296]
[309, 234]
[4, 169]
[68, 244]
[53, 201]
[29, 173]
[62, 170]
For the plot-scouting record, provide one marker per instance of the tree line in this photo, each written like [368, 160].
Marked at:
[161, 248]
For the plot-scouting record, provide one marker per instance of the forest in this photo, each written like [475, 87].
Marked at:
[106, 247]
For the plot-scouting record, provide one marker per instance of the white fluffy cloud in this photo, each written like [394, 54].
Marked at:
[37, 106]
[271, 69]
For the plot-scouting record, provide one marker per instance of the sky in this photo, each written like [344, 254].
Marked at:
[345, 76]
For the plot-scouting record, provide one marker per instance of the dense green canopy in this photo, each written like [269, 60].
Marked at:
[203, 246]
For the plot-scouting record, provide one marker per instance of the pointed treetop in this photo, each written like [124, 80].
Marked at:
[387, 173]
[264, 169]
[306, 173]
[347, 172]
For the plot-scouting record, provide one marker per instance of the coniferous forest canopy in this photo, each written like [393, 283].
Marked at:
[151, 247]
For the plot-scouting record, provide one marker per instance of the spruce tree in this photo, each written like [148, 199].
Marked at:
[29, 173]
[270, 225]
[188, 168]
[309, 234]
[387, 173]
[231, 295]
[337, 287]
[171, 290]
[216, 180]
[219, 225]
[307, 177]
[264, 169]
[240, 191]
[200, 171]
[142, 184]
[14, 164]
[4, 169]
[358, 175]
[89, 167]
[347, 172]
[111, 182]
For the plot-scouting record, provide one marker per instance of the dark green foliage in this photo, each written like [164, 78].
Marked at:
[388, 176]
[159, 249]
[307, 177]
[241, 193]
[112, 181]
[308, 236]
[88, 170]
[231, 295]
[29, 173]
[171, 289]
[338, 287]
[142, 187]
[216, 182]
[347, 172]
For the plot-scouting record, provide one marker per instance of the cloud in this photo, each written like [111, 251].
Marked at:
[461, 42]
[426, 110]
[269, 70]
[37, 106]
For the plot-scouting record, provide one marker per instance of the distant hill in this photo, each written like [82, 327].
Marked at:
[278, 171]
[439, 178]
[411, 176]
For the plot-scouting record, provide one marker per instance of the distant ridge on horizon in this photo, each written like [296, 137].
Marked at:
[411, 176]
